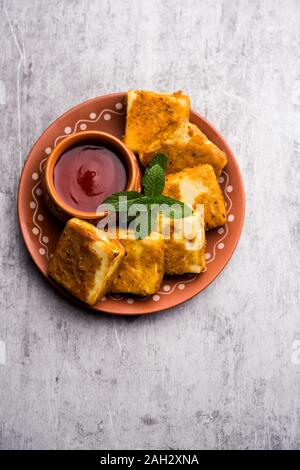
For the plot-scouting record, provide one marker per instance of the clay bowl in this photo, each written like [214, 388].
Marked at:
[55, 203]
[41, 230]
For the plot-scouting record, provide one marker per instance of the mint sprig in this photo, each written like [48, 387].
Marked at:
[121, 201]
[153, 183]
[159, 159]
[130, 195]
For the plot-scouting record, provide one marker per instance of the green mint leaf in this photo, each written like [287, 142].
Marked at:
[141, 223]
[161, 160]
[154, 181]
[139, 205]
[142, 231]
[121, 201]
[128, 194]
[174, 208]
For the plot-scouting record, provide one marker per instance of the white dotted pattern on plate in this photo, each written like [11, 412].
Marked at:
[37, 231]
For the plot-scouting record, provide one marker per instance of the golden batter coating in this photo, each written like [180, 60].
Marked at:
[199, 185]
[178, 260]
[184, 241]
[142, 270]
[159, 122]
[185, 148]
[85, 261]
[151, 116]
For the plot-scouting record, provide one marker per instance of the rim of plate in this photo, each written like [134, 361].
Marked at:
[155, 307]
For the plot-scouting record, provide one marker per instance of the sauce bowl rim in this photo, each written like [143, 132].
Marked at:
[130, 160]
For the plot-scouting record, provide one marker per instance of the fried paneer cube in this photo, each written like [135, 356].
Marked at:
[143, 267]
[153, 116]
[185, 148]
[199, 185]
[159, 122]
[184, 241]
[85, 261]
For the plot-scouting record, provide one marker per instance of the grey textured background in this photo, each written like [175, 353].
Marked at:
[222, 370]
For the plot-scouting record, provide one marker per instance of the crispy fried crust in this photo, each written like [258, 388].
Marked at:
[142, 270]
[159, 122]
[85, 261]
[151, 116]
[199, 185]
[186, 148]
[178, 260]
[184, 241]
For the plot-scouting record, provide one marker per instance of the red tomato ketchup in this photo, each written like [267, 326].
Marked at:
[85, 175]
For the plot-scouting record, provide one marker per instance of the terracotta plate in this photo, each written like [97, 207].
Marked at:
[41, 230]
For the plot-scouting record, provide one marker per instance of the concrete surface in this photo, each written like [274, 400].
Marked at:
[221, 371]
